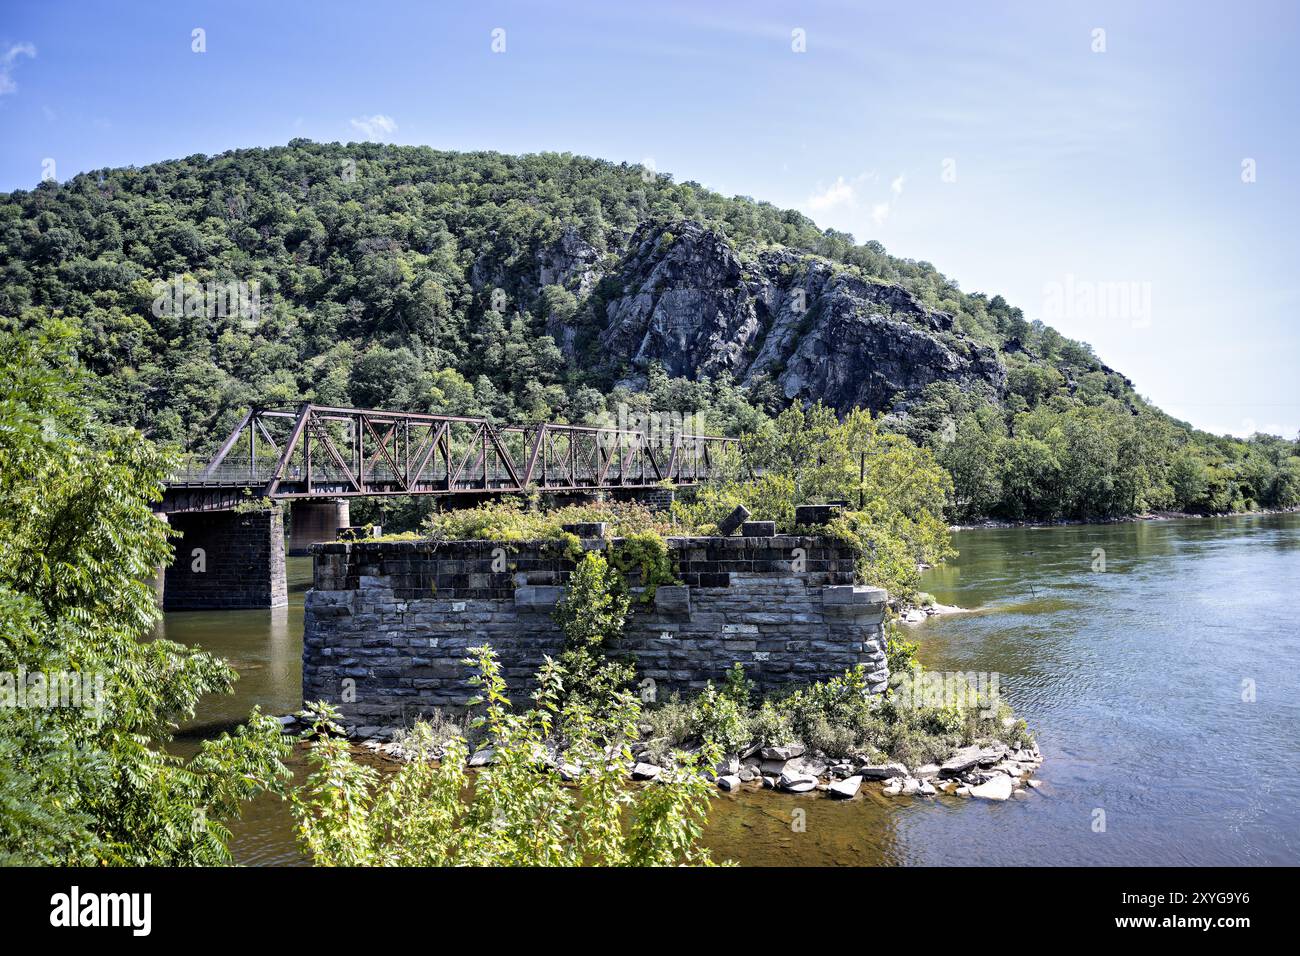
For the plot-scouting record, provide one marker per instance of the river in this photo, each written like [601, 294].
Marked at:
[1161, 673]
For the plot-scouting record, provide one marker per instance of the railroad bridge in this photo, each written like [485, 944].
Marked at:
[315, 458]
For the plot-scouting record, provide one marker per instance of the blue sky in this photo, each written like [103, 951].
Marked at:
[1014, 146]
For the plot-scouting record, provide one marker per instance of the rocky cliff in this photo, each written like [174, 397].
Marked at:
[697, 305]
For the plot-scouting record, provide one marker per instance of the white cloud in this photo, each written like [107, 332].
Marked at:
[840, 193]
[857, 194]
[377, 127]
[1248, 427]
[8, 61]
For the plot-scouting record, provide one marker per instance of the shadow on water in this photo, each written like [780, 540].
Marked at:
[1134, 677]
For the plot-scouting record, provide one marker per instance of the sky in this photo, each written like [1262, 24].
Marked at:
[1127, 172]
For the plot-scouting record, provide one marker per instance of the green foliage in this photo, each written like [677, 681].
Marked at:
[645, 555]
[79, 544]
[595, 604]
[900, 653]
[514, 812]
[837, 717]
[591, 613]
[381, 289]
[1095, 453]
[719, 718]
[514, 520]
[895, 489]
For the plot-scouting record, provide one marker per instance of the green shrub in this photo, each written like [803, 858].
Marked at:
[717, 718]
[769, 726]
[519, 812]
[644, 553]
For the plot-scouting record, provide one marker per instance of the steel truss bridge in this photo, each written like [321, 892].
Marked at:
[319, 451]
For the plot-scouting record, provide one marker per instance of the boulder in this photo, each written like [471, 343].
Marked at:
[894, 787]
[645, 771]
[927, 789]
[962, 760]
[784, 752]
[729, 782]
[882, 771]
[810, 765]
[792, 781]
[846, 789]
[732, 522]
[910, 786]
[999, 788]
[926, 771]
[585, 529]
[814, 515]
[482, 757]
[728, 766]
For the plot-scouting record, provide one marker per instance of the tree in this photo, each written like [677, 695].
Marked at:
[89, 781]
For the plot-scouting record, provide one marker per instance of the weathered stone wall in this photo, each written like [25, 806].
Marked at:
[227, 559]
[388, 624]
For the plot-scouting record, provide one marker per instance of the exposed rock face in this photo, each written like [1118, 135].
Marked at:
[570, 262]
[697, 306]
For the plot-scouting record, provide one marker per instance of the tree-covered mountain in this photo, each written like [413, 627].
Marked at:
[559, 287]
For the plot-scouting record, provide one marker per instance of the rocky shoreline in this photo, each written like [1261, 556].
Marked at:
[991, 771]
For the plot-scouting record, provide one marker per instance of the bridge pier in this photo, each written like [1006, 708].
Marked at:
[316, 522]
[227, 559]
[656, 499]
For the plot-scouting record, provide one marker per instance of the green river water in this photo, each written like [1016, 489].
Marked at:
[1136, 678]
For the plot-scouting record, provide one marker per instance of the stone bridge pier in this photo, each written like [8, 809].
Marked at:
[316, 522]
[227, 559]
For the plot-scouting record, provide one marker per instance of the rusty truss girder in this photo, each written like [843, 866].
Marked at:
[320, 451]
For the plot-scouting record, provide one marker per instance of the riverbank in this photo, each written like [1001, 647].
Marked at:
[994, 523]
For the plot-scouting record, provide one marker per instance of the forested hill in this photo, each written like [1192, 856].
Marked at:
[558, 287]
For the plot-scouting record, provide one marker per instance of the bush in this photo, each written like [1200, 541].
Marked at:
[519, 812]
[511, 519]
[720, 719]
